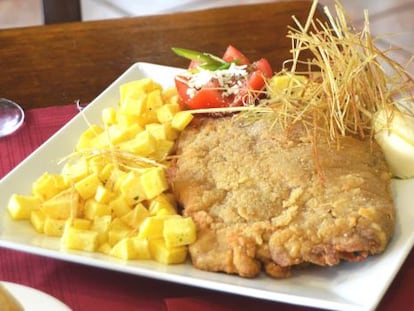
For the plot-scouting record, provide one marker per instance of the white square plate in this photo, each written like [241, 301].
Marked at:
[349, 286]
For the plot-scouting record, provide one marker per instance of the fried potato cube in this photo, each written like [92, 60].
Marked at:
[103, 194]
[116, 235]
[131, 248]
[166, 112]
[136, 216]
[145, 85]
[79, 239]
[21, 206]
[179, 231]
[61, 206]
[161, 205]
[106, 172]
[152, 227]
[109, 115]
[162, 131]
[101, 225]
[121, 133]
[37, 219]
[53, 227]
[143, 144]
[130, 187]
[133, 102]
[279, 84]
[87, 186]
[119, 206]
[73, 172]
[153, 182]
[94, 209]
[48, 185]
[86, 139]
[126, 119]
[181, 120]
[117, 231]
[81, 223]
[164, 148]
[165, 255]
[105, 248]
[154, 101]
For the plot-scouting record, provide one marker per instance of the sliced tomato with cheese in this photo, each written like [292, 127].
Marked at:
[234, 55]
[229, 86]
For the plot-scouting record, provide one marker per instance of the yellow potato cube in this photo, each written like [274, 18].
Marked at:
[61, 206]
[120, 133]
[37, 219]
[181, 120]
[96, 164]
[133, 104]
[143, 144]
[94, 209]
[86, 138]
[87, 186]
[73, 172]
[103, 194]
[152, 227]
[153, 182]
[282, 83]
[53, 227]
[154, 101]
[161, 205]
[179, 231]
[106, 172]
[48, 185]
[166, 112]
[101, 225]
[165, 255]
[109, 115]
[105, 248]
[21, 206]
[79, 239]
[81, 223]
[136, 216]
[145, 85]
[131, 188]
[131, 248]
[128, 119]
[162, 131]
[164, 148]
[120, 206]
[116, 235]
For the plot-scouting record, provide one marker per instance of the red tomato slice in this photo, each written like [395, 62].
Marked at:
[207, 97]
[264, 66]
[263, 70]
[232, 54]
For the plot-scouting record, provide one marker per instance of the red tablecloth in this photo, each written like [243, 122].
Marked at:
[90, 289]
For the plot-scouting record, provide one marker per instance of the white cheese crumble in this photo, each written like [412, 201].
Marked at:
[229, 80]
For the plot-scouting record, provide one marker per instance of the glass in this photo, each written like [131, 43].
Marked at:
[11, 117]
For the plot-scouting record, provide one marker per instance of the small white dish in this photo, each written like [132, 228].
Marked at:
[34, 300]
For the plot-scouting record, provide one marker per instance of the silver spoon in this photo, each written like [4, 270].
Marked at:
[11, 117]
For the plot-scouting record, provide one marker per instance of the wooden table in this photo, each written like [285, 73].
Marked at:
[56, 64]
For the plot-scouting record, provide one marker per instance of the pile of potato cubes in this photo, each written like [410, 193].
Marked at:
[113, 196]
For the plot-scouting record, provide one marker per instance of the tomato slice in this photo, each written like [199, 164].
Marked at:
[262, 70]
[264, 66]
[209, 96]
[234, 55]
